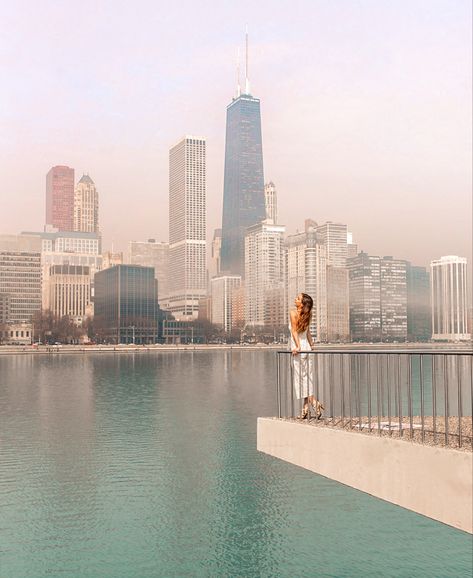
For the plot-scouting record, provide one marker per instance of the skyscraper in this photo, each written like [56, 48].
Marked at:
[187, 227]
[60, 198]
[70, 291]
[335, 238]
[271, 202]
[222, 289]
[154, 254]
[20, 277]
[243, 190]
[86, 206]
[365, 297]
[393, 277]
[307, 273]
[449, 298]
[264, 271]
[419, 315]
[338, 304]
[214, 266]
[72, 248]
[378, 298]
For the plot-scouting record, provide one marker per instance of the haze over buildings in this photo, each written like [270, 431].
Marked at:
[369, 298]
[378, 137]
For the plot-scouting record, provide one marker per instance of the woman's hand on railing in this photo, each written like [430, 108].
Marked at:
[295, 351]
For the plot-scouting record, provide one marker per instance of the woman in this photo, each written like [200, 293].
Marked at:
[301, 340]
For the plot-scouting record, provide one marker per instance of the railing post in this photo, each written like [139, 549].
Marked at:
[378, 401]
[358, 381]
[434, 400]
[399, 400]
[331, 388]
[342, 386]
[409, 394]
[368, 385]
[459, 400]
[278, 378]
[421, 380]
[445, 385]
[324, 389]
[350, 396]
[471, 396]
[388, 385]
[292, 385]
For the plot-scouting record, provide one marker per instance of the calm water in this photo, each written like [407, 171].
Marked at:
[145, 465]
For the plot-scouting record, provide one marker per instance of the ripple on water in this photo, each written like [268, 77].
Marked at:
[146, 466]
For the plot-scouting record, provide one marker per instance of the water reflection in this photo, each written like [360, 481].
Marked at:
[145, 465]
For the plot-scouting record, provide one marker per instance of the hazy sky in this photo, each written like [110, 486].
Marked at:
[366, 111]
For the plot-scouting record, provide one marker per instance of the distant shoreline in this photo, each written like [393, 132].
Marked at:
[83, 349]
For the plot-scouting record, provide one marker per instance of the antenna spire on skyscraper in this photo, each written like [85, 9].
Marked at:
[238, 74]
[247, 81]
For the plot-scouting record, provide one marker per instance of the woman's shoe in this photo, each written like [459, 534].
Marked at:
[304, 413]
[318, 408]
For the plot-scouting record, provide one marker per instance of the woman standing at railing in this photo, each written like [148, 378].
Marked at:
[303, 366]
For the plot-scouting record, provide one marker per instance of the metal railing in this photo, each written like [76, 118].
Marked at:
[423, 395]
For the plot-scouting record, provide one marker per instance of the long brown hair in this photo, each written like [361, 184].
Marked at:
[305, 313]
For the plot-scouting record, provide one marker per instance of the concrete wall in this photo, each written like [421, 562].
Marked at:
[432, 481]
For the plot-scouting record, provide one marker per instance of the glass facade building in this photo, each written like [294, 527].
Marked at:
[378, 298]
[243, 193]
[126, 307]
[419, 320]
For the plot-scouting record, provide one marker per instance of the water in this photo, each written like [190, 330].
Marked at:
[144, 465]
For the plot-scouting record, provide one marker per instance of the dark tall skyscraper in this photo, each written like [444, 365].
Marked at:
[243, 190]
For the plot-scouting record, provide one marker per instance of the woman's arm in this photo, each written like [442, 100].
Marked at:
[294, 333]
[310, 339]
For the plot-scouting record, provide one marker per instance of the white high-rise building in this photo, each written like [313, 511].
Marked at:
[352, 248]
[271, 202]
[71, 248]
[307, 273]
[449, 299]
[214, 267]
[334, 236]
[86, 206]
[222, 293]
[69, 292]
[187, 227]
[154, 254]
[264, 270]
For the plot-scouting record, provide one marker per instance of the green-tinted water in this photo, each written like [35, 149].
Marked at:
[145, 465]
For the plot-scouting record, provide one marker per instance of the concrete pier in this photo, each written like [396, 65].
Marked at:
[433, 481]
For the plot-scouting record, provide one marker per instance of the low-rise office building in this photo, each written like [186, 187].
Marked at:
[126, 308]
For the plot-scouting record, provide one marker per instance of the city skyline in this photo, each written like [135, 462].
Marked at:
[402, 89]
